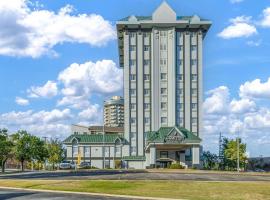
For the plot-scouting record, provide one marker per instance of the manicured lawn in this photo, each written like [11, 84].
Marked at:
[169, 189]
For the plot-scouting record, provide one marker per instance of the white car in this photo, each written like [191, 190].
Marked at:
[67, 165]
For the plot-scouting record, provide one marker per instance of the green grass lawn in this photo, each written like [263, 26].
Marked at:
[169, 189]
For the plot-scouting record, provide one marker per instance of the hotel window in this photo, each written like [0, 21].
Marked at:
[132, 48]
[146, 91]
[87, 150]
[132, 62]
[163, 47]
[179, 62]
[193, 47]
[179, 92]
[133, 120]
[132, 35]
[146, 120]
[180, 106]
[193, 62]
[194, 106]
[146, 62]
[146, 77]
[133, 106]
[146, 48]
[163, 76]
[179, 77]
[133, 150]
[133, 136]
[117, 150]
[163, 61]
[163, 33]
[163, 120]
[132, 77]
[75, 150]
[164, 154]
[194, 77]
[146, 106]
[132, 92]
[194, 91]
[194, 120]
[180, 47]
[163, 91]
[163, 105]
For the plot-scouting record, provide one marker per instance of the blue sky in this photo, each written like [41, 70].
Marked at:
[59, 61]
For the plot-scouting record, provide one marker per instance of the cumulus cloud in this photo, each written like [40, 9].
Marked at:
[93, 112]
[265, 22]
[46, 91]
[255, 89]
[244, 116]
[217, 102]
[240, 27]
[80, 81]
[33, 32]
[42, 123]
[21, 101]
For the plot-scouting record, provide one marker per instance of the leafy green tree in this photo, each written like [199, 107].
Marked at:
[231, 154]
[55, 152]
[210, 160]
[6, 146]
[29, 148]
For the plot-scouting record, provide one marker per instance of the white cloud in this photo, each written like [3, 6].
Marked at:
[236, 1]
[34, 32]
[21, 101]
[255, 89]
[254, 43]
[52, 123]
[218, 101]
[242, 106]
[46, 91]
[240, 27]
[93, 112]
[244, 116]
[265, 22]
[80, 81]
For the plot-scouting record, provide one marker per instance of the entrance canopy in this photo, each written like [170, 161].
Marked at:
[171, 136]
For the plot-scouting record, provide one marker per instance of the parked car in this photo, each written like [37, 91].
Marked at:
[67, 165]
[85, 165]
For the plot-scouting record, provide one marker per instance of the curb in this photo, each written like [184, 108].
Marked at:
[89, 193]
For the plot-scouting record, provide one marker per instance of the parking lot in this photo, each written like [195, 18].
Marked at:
[136, 175]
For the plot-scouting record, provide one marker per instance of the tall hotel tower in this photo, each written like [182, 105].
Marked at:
[163, 74]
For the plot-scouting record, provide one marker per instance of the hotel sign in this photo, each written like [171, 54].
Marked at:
[174, 138]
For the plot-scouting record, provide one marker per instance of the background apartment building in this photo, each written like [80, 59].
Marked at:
[114, 112]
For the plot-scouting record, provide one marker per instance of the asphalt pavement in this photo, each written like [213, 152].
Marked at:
[11, 194]
[135, 175]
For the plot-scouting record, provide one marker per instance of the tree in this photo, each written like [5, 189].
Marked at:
[5, 148]
[29, 148]
[231, 154]
[55, 152]
[210, 160]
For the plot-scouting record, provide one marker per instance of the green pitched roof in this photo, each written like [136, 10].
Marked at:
[108, 138]
[162, 133]
[143, 18]
[133, 158]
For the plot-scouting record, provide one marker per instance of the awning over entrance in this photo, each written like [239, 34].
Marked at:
[172, 136]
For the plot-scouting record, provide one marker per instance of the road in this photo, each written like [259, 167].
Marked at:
[135, 175]
[10, 194]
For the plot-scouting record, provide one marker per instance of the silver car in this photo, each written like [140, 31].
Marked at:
[67, 165]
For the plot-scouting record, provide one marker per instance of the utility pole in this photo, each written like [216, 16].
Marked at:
[238, 156]
[103, 141]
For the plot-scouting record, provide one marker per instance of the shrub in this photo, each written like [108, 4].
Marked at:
[117, 164]
[176, 166]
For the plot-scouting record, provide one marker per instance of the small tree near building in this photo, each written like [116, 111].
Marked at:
[6, 146]
[55, 152]
[210, 160]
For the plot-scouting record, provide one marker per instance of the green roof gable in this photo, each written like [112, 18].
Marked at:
[161, 135]
[108, 138]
